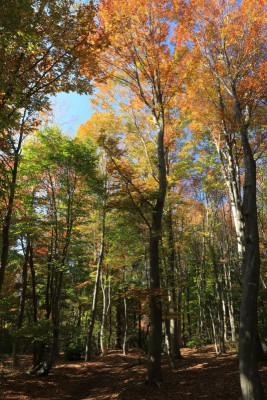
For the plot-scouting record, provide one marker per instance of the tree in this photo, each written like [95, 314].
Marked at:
[116, 257]
[230, 41]
[65, 164]
[44, 47]
[149, 67]
[10, 158]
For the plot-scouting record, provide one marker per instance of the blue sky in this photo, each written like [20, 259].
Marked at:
[70, 110]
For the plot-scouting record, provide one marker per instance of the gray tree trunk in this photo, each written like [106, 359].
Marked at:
[88, 348]
[104, 322]
[251, 386]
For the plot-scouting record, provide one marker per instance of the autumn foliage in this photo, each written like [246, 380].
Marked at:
[148, 227]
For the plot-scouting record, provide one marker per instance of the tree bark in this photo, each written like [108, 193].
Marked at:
[154, 372]
[251, 386]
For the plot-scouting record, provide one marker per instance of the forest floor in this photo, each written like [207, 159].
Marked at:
[199, 375]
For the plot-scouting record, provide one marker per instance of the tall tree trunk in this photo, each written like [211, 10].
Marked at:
[251, 386]
[154, 372]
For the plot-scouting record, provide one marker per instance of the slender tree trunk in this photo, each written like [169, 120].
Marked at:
[219, 298]
[214, 333]
[104, 323]
[230, 306]
[50, 276]
[110, 326]
[230, 176]
[179, 326]
[201, 283]
[227, 253]
[224, 319]
[37, 348]
[188, 314]
[168, 341]
[33, 281]
[172, 323]
[125, 335]
[88, 349]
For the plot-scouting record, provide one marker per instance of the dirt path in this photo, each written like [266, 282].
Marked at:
[200, 375]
